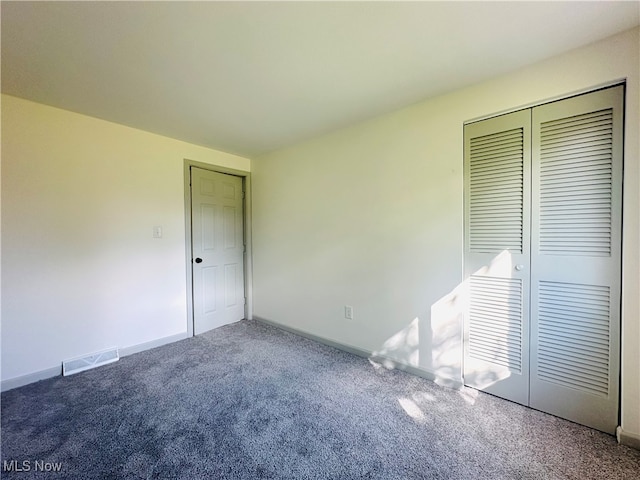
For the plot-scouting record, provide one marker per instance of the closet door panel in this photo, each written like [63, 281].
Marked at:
[575, 257]
[497, 196]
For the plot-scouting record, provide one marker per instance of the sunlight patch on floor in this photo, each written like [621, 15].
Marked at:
[412, 409]
[469, 395]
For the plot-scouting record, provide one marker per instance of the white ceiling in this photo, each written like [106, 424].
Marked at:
[251, 77]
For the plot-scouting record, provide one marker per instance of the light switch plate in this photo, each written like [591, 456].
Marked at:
[348, 312]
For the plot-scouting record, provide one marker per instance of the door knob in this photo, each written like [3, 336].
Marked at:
[518, 267]
[198, 260]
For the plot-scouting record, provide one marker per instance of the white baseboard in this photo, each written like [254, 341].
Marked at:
[627, 438]
[16, 382]
[141, 347]
[387, 362]
[51, 372]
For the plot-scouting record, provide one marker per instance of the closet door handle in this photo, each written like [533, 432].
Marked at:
[519, 267]
[198, 260]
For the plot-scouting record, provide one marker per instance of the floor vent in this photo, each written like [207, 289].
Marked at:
[80, 364]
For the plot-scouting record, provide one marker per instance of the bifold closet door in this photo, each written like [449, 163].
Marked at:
[576, 257]
[497, 205]
[543, 226]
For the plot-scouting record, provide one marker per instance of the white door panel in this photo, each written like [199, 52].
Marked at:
[576, 252]
[497, 191]
[217, 248]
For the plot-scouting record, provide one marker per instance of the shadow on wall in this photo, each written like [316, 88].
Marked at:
[436, 345]
[431, 345]
[403, 347]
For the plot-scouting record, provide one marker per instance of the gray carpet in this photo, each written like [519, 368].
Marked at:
[250, 401]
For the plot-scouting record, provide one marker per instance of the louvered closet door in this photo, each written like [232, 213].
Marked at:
[576, 257]
[497, 197]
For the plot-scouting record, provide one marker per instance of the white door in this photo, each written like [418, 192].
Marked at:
[576, 257]
[543, 256]
[497, 186]
[217, 248]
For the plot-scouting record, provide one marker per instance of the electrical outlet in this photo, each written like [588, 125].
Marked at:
[348, 312]
[157, 231]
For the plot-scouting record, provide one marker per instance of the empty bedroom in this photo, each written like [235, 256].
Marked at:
[289, 240]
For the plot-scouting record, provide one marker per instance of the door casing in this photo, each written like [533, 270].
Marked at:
[248, 273]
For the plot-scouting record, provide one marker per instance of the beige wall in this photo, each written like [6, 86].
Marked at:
[80, 269]
[372, 216]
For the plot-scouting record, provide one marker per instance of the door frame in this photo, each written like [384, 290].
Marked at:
[247, 261]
